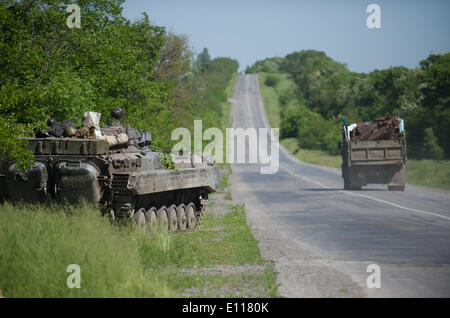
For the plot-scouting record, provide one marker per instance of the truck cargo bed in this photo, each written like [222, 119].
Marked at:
[373, 161]
[383, 152]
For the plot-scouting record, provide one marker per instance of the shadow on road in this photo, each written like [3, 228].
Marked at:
[342, 189]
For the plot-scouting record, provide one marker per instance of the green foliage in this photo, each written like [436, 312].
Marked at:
[332, 137]
[432, 150]
[167, 160]
[328, 89]
[434, 110]
[12, 147]
[431, 173]
[310, 130]
[203, 59]
[211, 82]
[271, 81]
[269, 65]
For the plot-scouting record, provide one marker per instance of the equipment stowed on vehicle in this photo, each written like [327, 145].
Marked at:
[374, 152]
[114, 168]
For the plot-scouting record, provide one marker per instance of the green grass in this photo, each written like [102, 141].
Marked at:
[226, 172]
[316, 157]
[226, 106]
[270, 95]
[38, 243]
[223, 240]
[224, 185]
[429, 172]
[422, 172]
[233, 244]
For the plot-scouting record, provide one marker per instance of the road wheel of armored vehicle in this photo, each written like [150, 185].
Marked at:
[181, 216]
[139, 217]
[162, 217]
[173, 220]
[190, 216]
[151, 218]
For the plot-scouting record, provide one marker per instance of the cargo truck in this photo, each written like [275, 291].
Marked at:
[374, 152]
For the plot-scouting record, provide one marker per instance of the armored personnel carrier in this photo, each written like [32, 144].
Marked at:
[114, 168]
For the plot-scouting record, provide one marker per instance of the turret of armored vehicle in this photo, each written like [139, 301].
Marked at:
[114, 168]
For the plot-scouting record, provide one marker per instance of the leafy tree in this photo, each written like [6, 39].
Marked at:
[271, 80]
[432, 149]
[203, 59]
[435, 87]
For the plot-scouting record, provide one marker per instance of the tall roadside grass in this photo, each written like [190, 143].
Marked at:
[233, 244]
[226, 105]
[316, 157]
[429, 172]
[270, 95]
[221, 241]
[38, 243]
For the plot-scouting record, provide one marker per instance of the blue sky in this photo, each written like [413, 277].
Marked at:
[250, 30]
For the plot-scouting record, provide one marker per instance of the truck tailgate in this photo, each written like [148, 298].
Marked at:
[377, 152]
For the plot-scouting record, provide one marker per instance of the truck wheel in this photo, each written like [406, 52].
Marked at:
[349, 186]
[163, 220]
[346, 184]
[190, 216]
[173, 220]
[396, 187]
[353, 187]
[181, 216]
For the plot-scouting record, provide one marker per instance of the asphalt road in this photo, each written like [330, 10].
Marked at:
[322, 238]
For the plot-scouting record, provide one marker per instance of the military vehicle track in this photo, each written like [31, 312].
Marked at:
[175, 218]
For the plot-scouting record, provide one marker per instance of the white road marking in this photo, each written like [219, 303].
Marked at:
[368, 197]
[295, 160]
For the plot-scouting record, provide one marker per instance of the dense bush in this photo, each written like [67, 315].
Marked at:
[271, 80]
[431, 147]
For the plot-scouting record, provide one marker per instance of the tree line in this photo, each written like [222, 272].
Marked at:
[50, 70]
[326, 92]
